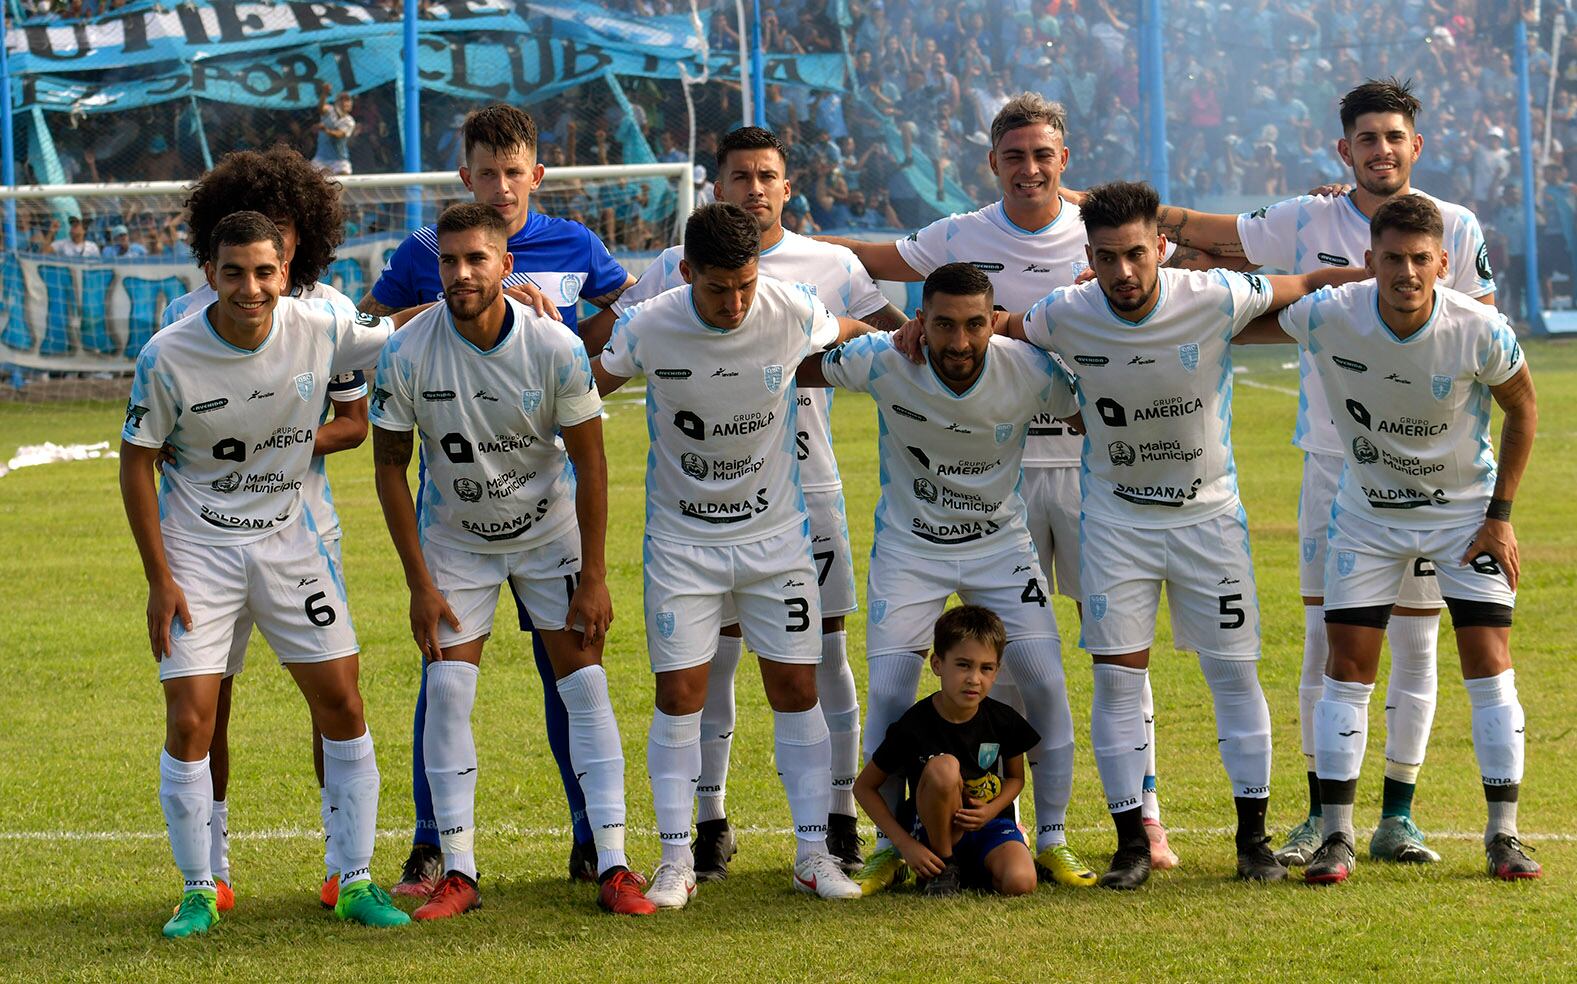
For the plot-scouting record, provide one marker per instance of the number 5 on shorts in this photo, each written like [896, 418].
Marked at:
[1233, 616]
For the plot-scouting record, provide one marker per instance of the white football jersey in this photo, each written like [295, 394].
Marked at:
[345, 387]
[494, 479]
[1157, 395]
[950, 463]
[721, 410]
[838, 280]
[1304, 234]
[1024, 265]
[1414, 417]
[242, 421]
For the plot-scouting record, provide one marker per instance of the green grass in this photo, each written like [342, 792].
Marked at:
[78, 755]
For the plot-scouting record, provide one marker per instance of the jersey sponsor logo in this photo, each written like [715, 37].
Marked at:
[665, 628]
[1141, 360]
[1404, 427]
[958, 428]
[268, 483]
[1121, 453]
[1091, 360]
[953, 533]
[693, 465]
[925, 489]
[986, 266]
[457, 449]
[506, 529]
[225, 522]
[1403, 498]
[230, 449]
[209, 406]
[1003, 432]
[1168, 451]
[920, 456]
[1397, 378]
[304, 386]
[1036, 268]
[1333, 259]
[1171, 496]
[719, 513]
[1364, 451]
[773, 377]
[986, 753]
[506, 443]
[672, 374]
[1482, 262]
[530, 400]
[1351, 365]
[968, 467]
[722, 372]
[284, 438]
[134, 415]
[259, 395]
[1188, 355]
[468, 490]
[1096, 603]
[904, 411]
[1044, 425]
[1440, 386]
[744, 424]
[431, 396]
[227, 484]
[509, 483]
[1346, 560]
[483, 394]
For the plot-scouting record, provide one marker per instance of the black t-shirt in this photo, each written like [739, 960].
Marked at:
[995, 734]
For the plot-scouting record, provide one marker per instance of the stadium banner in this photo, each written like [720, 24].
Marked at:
[74, 315]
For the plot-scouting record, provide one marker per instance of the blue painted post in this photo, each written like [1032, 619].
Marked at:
[7, 138]
[1530, 226]
[1152, 83]
[758, 69]
[411, 89]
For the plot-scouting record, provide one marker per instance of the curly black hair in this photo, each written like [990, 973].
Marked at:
[275, 182]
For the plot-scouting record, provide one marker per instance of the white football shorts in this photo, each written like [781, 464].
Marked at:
[544, 578]
[1321, 472]
[1051, 500]
[1367, 560]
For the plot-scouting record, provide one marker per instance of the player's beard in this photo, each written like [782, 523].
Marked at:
[957, 367]
[469, 307]
[1140, 299]
[1386, 186]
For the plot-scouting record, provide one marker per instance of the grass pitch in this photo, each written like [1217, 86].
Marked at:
[92, 879]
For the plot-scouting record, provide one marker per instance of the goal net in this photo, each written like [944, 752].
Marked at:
[72, 322]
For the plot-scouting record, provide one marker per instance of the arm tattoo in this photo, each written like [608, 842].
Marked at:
[888, 318]
[370, 306]
[391, 447]
[606, 300]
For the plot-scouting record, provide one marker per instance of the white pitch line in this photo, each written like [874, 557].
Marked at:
[511, 830]
[1267, 386]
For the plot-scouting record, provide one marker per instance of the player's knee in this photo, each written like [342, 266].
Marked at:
[189, 726]
[941, 771]
[1019, 879]
[339, 714]
[790, 686]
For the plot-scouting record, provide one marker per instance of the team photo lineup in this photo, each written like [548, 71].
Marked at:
[1055, 419]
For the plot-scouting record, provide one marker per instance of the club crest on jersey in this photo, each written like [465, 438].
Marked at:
[665, 624]
[1097, 606]
[1440, 386]
[987, 753]
[530, 400]
[773, 377]
[1188, 355]
[569, 287]
[1003, 432]
[1308, 549]
[878, 610]
[304, 386]
[1346, 560]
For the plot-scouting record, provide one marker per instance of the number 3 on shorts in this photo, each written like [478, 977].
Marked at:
[798, 614]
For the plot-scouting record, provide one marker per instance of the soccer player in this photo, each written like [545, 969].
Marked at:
[726, 519]
[500, 505]
[950, 518]
[1380, 143]
[305, 207]
[752, 173]
[1160, 501]
[962, 756]
[224, 534]
[555, 259]
[1028, 242]
[1414, 365]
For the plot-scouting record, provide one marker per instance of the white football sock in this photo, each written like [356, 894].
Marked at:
[326, 814]
[1311, 679]
[219, 840]
[1341, 730]
[1150, 805]
[717, 729]
[350, 774]
[673, 760]
[1117, 734]
[186, 795]
[892, 679]
[1037, 666]
[1242, 723]
[840, 706]
[598, 757]
[1498, 726]
[804, 759]
[1410, 694]
[449, 753]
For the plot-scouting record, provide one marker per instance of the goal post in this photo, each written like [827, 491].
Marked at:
[62, 315]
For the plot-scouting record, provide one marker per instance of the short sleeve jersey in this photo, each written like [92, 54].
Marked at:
[494, 479]
[242, 421]
[1156, 395]
[561, 257]
[1024, 265]
[1301, 235]
[345, 387]
[721, 409]
[838, 280]
[983, 745]
[1414, 413]
[950, 463]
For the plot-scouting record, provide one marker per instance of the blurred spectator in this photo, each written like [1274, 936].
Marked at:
[121, 246]
[335, 128]
[76, 242]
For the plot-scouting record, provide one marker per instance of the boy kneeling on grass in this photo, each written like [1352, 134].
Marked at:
[962, 755]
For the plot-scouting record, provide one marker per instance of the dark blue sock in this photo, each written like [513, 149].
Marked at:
[421, 795]
[1397, 799]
